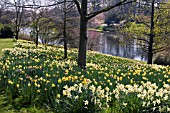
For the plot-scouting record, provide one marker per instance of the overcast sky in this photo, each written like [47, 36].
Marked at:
[38, 1]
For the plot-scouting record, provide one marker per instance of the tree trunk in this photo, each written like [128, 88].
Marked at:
[36, 40]
[16, 35]
[65, 49]
[0, 14]
[150, 48]
[16, 29]
[83, 36]
[134, 10]
[64, 31]
[16, 24]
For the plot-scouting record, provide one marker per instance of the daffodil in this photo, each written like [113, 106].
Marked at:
[59, 80]
[58, 96]
[53, 85]
[17, 85]
[86, 102]
[10, 82]
[29, 84]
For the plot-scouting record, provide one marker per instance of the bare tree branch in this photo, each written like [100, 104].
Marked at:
[142, 39]
[36, 6]
[78, 7]
[91, 15]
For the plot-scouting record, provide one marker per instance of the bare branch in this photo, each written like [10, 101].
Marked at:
[34, 5]
[78, 7]
[143, 47]
[145, 24]
[91, 15]
[141, 39]
[159, 49]
[93, 5]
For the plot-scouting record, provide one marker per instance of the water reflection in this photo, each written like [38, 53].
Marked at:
[108, 43]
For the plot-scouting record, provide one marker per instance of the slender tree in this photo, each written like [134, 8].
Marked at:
[64, 11]
[85, 16]
[152, 25]
[64, 30]
[151, 29]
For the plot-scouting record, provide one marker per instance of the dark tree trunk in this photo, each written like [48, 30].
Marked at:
[16, 29]
[83, 36]
[0, 14]
[64, 31]
[36, 40]
[16, 24]
[45, 41]
[16, 35]
[134, 10]
[139, 7]
[65, 49]
[150, 48]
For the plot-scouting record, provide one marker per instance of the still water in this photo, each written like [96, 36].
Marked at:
[109, 43]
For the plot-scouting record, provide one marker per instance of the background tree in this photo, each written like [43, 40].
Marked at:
[47, 29]
[67, 16]
[43, 27]
[18, 7]
[150, 31]
[6, 17]
[66, 8]
[121, 13]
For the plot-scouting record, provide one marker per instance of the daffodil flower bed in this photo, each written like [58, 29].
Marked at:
[40, 77]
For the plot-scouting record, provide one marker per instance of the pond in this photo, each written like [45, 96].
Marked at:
[109, 43]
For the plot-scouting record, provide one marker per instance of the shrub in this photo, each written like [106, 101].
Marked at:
[25, 37]
[162, 58]
[6, 32]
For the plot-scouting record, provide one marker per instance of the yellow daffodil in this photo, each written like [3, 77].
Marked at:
[53, 85]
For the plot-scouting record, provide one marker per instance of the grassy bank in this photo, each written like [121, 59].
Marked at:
[6, 43]
[41, 77]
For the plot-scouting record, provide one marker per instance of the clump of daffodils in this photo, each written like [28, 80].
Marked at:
[98, 96]
[150, 95]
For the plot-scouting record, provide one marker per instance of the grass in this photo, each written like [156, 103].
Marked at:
[41, 78]
[5, 105]
[93, 29]
[6, 43]
[15, 107]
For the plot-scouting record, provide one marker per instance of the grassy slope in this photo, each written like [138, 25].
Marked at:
[5, 106]
[9, 107]
[113, 63]
[6, 43]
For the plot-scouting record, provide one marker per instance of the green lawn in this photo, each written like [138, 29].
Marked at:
[6, 43]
